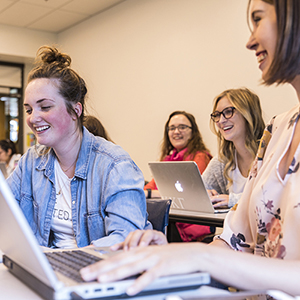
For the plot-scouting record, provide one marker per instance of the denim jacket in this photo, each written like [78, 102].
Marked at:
[107, 197]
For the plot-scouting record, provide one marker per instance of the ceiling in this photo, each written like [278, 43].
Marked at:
[50, 15]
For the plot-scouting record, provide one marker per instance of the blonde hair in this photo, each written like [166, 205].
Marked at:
[248, 104]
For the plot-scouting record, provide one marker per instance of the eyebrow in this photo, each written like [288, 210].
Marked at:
[39, 101]
[255, 12]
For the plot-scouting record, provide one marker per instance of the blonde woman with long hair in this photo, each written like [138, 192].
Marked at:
[238, 123]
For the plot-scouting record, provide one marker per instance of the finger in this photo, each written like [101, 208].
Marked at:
[143, 281]
[134, 264]
[153, 237]
[93, 271]
[216, 199]
[135, 239]
[214, 192]
[221, 204]
[131, 238]
[116, 247]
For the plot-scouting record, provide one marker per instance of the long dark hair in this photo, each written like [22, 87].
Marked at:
[6, 145]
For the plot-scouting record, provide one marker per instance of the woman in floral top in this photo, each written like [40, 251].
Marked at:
[263, 227]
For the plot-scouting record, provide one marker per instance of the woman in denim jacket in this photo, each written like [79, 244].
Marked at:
[75, 189]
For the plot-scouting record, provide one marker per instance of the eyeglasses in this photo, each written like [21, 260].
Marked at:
[180, 127]
[226, 112]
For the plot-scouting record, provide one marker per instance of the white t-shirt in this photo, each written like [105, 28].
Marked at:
[239, 181]
[62, 225]
[238, 184]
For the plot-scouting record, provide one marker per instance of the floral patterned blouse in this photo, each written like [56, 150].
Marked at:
[266, 220]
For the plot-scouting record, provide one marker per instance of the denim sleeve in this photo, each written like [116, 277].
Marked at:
[124, 205]
[14, 182]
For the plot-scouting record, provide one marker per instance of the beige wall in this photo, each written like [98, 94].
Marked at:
[144, 59]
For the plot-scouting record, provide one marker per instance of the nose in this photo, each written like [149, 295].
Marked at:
[177, 130]
[34, 116]
[222, 119]
[251, 44]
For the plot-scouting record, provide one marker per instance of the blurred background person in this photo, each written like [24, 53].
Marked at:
[94, 126]
[9, 155]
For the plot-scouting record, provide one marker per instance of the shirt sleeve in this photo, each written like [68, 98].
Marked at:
[202, 160]
[213, 177]
[150, 185]
[124, 205]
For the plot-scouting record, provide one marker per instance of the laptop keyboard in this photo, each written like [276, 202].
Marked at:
[70, 262]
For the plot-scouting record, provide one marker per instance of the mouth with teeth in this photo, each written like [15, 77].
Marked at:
[42, 128]
[226, 128]
[261, 57]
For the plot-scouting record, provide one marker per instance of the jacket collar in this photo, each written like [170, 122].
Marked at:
[47, 160]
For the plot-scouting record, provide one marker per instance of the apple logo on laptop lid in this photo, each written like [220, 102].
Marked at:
[178, 186]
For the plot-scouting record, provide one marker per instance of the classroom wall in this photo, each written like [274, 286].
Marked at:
[20, 45]
[143, 59]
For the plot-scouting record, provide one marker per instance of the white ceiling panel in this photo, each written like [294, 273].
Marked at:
[57, 21]
[48, 3]
[92, 8]
[21, 14]
[50, 15]
[5, 3]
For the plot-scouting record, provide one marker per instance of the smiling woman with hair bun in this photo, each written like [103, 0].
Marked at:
[74, 188]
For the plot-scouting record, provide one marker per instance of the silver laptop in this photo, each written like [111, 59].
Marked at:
[3, 169]
[25, 259]
[182, 182]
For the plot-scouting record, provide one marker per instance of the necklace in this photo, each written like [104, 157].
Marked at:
[66, 170]
[74, 162]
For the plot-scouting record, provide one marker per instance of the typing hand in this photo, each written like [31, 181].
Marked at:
[151, 262]
[212, 193]
[220, 200]
[141, 238]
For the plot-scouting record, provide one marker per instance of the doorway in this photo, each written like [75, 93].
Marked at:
[11, 100]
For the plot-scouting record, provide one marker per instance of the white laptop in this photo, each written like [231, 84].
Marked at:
[3, 169]
[182, 182]
[25, 259]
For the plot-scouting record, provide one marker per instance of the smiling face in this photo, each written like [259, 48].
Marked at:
[179, 139]
[47, 114]
[233, 129]
[264, 33]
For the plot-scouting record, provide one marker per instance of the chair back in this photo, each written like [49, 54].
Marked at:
[158, 213]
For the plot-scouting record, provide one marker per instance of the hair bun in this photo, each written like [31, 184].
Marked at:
[51, 55]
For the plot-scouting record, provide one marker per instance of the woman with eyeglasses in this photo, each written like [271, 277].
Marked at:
[182, 141]
[238, 123]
